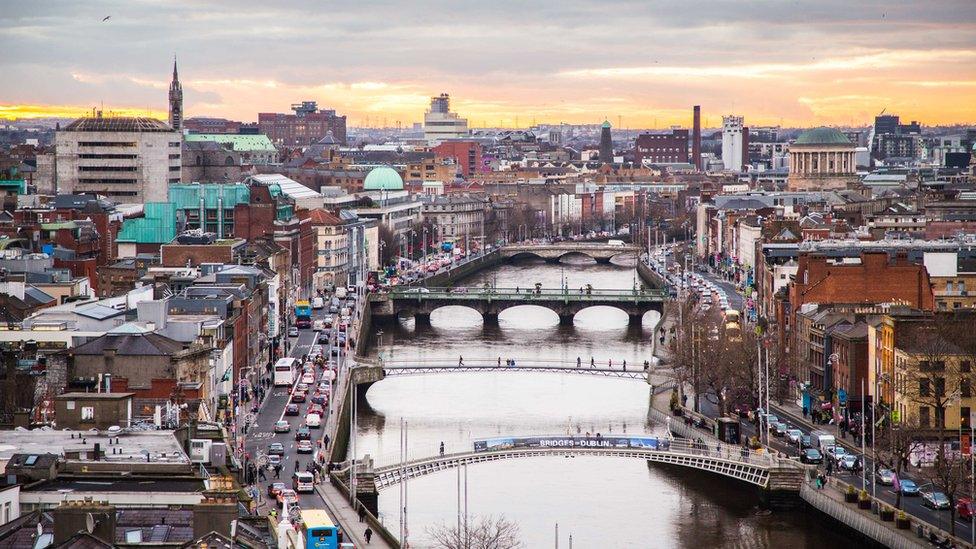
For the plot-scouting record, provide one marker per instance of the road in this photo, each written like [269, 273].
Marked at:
[735, 298]
[261, 433]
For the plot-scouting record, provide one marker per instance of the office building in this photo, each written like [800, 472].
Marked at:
[125, 159]
[308, 125]
[733, 143]
[441, 124]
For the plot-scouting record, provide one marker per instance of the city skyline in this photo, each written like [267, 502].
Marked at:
[645, 64]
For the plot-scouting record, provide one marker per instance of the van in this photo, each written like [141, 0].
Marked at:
[318, 303]
[314, 421]
[822, 439]
[303, 482]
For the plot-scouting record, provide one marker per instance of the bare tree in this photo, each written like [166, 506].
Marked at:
[896, 444]
[486, 532]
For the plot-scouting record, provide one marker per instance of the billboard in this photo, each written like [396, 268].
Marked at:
[607, 442]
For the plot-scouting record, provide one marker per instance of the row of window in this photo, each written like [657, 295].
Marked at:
[106, 144]
[107, 156]
[100, 180]
[106, 168]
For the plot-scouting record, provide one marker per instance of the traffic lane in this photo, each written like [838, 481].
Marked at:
[735, 299]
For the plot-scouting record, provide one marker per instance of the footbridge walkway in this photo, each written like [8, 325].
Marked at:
[602, 252]
[728, 460]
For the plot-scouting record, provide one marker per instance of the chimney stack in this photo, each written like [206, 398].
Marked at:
[696, 139]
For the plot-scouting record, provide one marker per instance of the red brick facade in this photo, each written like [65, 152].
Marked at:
[466, 154]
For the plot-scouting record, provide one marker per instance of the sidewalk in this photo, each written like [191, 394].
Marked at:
[347, 518]
[794, 414]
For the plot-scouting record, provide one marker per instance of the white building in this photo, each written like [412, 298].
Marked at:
[732, 143]
[125, 159]
[456, 218]
[440, 123]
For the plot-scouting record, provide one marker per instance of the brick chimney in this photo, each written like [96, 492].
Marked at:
[214, 514]
[71, 517]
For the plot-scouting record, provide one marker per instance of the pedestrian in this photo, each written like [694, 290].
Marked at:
[592, 362]
[277, 471]
[442, 447]
[625, 364]
[297, 465]
[499, 362]
[326, 439]
[261, 474]
[368, 534]
[647, 365]
[362, 512]
[610, 363]
[579, 361]
[460, 361]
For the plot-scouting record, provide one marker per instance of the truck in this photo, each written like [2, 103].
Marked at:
[822, 439]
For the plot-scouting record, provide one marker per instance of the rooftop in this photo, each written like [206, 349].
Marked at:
[161, 446]
[822, 136]
[239, 142]
[117, 124]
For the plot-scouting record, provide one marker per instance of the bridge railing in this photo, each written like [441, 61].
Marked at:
[528, 293]
[421, 453]
[501, 362]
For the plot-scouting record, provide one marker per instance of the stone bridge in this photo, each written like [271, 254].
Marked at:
[600, 251]
[727, 460]
[421, 302]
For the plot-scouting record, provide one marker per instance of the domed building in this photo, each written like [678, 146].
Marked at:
[822, 159]
[383, 179]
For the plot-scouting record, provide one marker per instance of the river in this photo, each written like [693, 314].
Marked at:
[601, 502]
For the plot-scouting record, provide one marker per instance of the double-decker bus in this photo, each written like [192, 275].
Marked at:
[303, 314]
[285, 372]
[318, 530]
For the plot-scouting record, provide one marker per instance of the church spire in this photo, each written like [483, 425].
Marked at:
[175, 100]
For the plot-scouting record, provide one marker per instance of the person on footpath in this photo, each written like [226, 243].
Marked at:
[368, 534]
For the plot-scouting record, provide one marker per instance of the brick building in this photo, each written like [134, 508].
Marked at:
[466, 154]
[305, 127]
[662, 148]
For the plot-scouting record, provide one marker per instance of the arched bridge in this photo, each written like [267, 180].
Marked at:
[600, 251]
[728, 460]
[420, 302]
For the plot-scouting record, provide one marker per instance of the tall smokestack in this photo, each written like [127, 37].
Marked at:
[745, 148]
[696, 139]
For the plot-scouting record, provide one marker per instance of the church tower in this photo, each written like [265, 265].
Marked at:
[175, 101]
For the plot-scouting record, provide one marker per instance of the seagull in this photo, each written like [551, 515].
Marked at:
[106, 18]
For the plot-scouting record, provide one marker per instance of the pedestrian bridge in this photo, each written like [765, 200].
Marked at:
[490, 301]
[497, 364]
[602, 252]
[727, 460]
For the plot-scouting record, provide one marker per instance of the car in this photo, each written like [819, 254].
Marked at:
[304, 447]
[313, 420]
[779, 429]
[885, 477]
[282, 427]
[811, 455]
[936, 500]
[848, 462]
[316, 409]
[292, 410]
[293, 332]
[303, 434]
[274, 460]
[908, 487]
[298, 396]
[302, 388]
[276, 448]
[320, 398]
[836, 452]
[308, 378]
[274, 488]
[965, 508]
[323, 337]
[287, 495]
[806, 442]
[794, 435]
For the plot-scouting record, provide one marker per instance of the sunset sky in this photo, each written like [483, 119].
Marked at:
[795, 63]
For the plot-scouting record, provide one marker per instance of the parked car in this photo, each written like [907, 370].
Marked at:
[908, 487]
[282, 427]
[276, 448]
[885, 477]
[811, 455]
[292, 410]
[935, 500]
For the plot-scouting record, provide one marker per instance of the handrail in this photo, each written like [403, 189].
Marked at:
[527, 293]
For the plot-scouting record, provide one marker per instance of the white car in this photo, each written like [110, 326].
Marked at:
[308, 378]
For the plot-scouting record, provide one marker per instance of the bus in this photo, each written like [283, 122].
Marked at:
[285, 372]
[303, 314]
[318, 530]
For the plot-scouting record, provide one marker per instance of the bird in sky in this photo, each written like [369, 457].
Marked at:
[106, 18]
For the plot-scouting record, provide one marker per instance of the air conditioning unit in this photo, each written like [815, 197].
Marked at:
[200, 449]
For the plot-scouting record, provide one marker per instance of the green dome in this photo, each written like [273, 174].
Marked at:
[383, 179]
[606, 124]
[823, 136]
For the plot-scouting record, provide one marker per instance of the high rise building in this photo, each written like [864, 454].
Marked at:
[126, 159]
[732, 143]
[892, 139]
[175, 101]
[308, 125]
[696, 138]
[440, 123]
[606, 143]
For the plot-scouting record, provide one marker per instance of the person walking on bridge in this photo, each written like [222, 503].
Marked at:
[368, 534]
[592, 362]
[442, 447]
[625, 364]
[460, 361]
[499, 362]
[578, 362]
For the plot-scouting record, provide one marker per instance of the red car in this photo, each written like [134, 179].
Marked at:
[965, 508]
[298, 397]
[315, 409]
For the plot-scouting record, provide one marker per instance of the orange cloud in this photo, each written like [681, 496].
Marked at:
[16, 112]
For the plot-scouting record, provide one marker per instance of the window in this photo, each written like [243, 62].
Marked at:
[923, 387]
[87, 413]
[966, 388]
[965, 366]
[940, 387]
[940, 417]
[923, 416]
[964, 417]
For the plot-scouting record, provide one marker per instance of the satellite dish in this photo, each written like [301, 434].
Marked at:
[89, 523]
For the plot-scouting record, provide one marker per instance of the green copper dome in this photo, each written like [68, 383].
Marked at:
[823, 136]
[606, 123]
[383, 179]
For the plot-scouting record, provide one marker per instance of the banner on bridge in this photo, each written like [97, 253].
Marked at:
[609, 442]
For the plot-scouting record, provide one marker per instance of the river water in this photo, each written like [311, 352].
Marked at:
[601, 502]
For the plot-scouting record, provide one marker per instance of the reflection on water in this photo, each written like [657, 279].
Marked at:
[603, 502]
